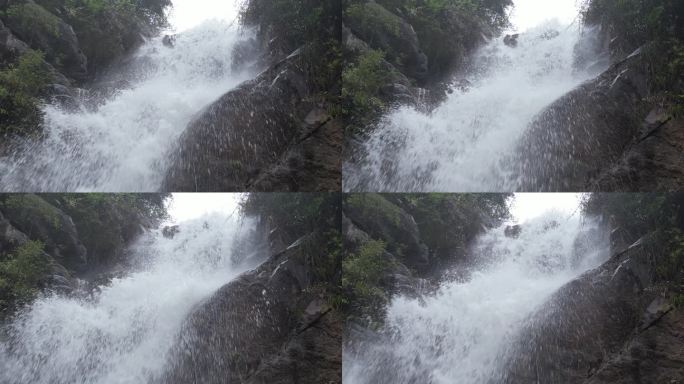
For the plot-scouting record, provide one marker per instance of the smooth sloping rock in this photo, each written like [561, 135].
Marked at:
[250, 331]
[590, 322]
[256, 137]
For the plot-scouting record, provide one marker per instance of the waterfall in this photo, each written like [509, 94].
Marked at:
[467, 142]
[462, 333]
[123, 331]
[123, 143]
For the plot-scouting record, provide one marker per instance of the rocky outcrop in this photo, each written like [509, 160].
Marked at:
[605, 136]
[49, 240]
[613, 324]
[385, 31]
[42, 30]
[267, 134]
[268, 326]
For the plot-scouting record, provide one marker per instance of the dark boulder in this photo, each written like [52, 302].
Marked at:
[233, 146]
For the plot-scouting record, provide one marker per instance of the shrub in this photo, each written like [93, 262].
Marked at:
[361, 275]
[21, 273]
[20, 87]
[361, 84]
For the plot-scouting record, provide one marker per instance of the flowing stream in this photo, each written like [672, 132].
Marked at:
[123, 144]
[466, 143]
[122, 332]
[462, 333]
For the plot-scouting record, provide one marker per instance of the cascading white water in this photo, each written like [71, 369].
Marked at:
[465, 144]
[460, 333]
[122, 333]
[123, 145]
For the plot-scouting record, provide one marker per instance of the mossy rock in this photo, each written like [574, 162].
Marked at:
[387, 32]
[44, 31]
[384, 221]
[40, 220]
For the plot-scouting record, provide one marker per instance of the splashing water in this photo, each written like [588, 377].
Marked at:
[122, 334]
[465, 143]
[459, 334]
[123, 145]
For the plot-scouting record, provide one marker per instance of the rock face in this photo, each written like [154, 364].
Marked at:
[77, 240]
[609, 134]
[267, 134]
[611, 325]
[46, 32]
[263, 328]
[383, 30]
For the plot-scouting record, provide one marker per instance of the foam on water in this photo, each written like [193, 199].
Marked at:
[465, 143]
[459, 334]
[123, 145]
[122, 333]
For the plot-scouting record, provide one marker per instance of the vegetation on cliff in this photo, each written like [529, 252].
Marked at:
[407, 235]
[410, 43]
[44, 236]
[655, 25]
[296, 215]
[64, 42]
[310, 25]
[659, 215]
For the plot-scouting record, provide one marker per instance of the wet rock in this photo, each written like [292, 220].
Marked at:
[231, 146]
[169, 41]
[573, 144]
[170, 231]
[512, 231]
[249, 332]
[589, 331]
[511, 40]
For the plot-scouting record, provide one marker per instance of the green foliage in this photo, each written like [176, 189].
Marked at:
[373, 15]
[639, 214]
[106, 222]
[375, 207]
[657, 22]
[30, 15]
[361, 275]
[29, 206]
[295, 22]
[20, 86]
[304, 214]
[361, 83]
[20, 274]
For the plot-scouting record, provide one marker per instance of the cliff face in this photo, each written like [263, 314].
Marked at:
[47, 241]
[621, 322]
